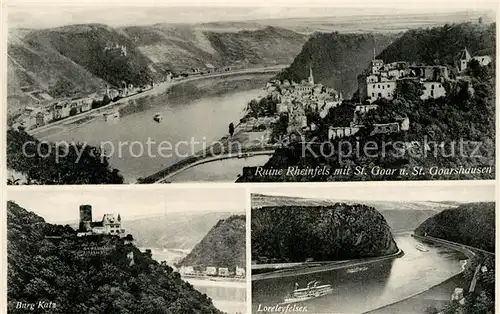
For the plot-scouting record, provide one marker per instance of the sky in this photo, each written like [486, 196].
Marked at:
[61, 204]
[43, 14]
[460, 191]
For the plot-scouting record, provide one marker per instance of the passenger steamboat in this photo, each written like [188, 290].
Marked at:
[312, 291]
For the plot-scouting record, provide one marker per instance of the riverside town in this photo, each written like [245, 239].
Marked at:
[153, 114]
[420, 97]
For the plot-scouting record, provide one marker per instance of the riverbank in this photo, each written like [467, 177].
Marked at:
[164, 175]
[195, 115]
[436, 296]
[157, 90]
[297, 269]
[227, 296]
[215, 283]
[242, 144]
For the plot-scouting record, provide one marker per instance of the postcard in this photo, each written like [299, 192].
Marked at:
[123, 251]
[249, 94]
[390, 249]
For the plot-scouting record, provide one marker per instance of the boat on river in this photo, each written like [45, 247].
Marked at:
[158, 117]
[356, 269]
[421, 247]
[111, 115]
[313, 290]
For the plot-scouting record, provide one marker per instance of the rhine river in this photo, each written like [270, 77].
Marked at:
[196, 112]
[229, 297]
[382, 283]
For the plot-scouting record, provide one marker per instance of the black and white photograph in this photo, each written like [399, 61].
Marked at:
[114, 93]
[379, 249]
[126, 251]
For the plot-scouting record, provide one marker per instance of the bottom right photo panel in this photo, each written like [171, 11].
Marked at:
[380, 248]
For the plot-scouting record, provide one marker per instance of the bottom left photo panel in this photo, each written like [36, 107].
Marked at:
[106, 250]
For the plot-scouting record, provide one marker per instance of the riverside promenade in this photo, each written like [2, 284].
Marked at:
[170, 172]
[156, 90]
[296, 269]
[437, 295]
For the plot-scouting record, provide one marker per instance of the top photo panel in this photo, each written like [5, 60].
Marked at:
[124, 95]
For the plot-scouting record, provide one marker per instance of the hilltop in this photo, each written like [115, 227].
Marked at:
[442, 45]
[284, 234]
[53, 271]
[77, 54]
[86, 55]
[336, 59]
[189, 46]
[39, 58]
[223, 246]
[465, 114]
[471, 224]
[399, 215]
[173, 230]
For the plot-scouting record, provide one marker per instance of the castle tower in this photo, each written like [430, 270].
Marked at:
[464, 59]
[311, 77]
[85, 217]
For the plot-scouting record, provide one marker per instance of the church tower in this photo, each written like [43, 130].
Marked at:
[311, 78]
[464, 59]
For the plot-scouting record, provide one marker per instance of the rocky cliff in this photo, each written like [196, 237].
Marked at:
[223, 246]
[322, 233]
[471, 224]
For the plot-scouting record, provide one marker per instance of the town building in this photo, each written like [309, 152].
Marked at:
[61, 109]
[116, 49]
[433, 90]
[364, 108]
[110, 224]
[223, 272]
[297, 120]
[385, 128]
[465, 57]
[341, 132]
[211, 271]
[240, 271]
[381, 80]
[402, 124]
[187, 270]
[130, 257]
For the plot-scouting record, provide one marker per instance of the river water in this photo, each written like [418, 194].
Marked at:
[229, 297]
[196, 112]
[226, 170]
[382, 283]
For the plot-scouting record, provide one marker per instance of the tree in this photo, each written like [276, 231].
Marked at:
[231, 129]
[62, 88]
[79, 164]
[105, 100]
[129, 237]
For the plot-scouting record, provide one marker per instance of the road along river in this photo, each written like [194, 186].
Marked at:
[381, 283]
[196, 111]
[227, 296]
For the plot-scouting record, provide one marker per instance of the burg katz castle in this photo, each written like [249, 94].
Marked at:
[109, 225]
